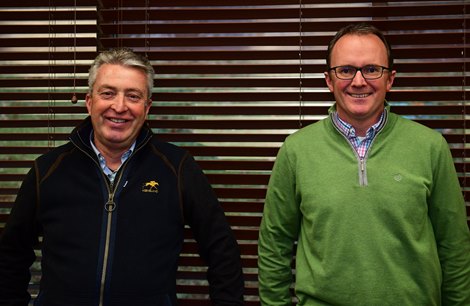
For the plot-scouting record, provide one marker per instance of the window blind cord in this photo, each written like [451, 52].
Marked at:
[51, 76]
[464, 96]
[74, 99]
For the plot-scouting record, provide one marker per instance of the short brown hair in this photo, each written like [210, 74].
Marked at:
[359, 29]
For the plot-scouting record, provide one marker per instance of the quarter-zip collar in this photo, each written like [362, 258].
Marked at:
[360, 144]
[361, 158]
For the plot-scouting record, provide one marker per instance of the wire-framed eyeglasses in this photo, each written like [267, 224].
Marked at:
[369, 72]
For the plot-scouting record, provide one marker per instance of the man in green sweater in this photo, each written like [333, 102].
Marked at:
[371, 198]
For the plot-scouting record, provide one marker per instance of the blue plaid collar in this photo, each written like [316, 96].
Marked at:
[350, 132]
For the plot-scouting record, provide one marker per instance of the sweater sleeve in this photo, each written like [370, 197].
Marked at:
[278, 233]
[16, 246]
[448, 216]
[216, 242]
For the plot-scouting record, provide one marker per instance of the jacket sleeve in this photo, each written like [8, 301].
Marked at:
[278, 232]
[216, 242]
[449, 220]
[16, 246]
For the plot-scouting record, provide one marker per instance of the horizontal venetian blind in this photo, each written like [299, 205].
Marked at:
[234, 78]
[46, 48]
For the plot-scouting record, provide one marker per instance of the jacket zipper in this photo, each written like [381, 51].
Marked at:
[109, 206]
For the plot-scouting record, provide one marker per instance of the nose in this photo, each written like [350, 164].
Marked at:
[358, 79]
[119, 104]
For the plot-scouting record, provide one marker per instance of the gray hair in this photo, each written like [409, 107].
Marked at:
[124, 57]
[359, 29]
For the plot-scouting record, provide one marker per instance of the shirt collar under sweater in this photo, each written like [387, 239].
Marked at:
[360, 144]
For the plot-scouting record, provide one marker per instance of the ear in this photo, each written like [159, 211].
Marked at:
[390, 79]
[147, 106]
[88, 102]
[329, 81]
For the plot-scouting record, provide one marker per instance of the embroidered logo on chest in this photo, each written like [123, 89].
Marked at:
[397, 177]
[151, 186]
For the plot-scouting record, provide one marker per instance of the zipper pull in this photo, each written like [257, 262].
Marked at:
[110, 205]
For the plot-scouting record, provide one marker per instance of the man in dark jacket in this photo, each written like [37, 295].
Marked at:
[111, 205]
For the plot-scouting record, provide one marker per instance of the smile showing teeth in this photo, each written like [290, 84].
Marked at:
[117, 120]
[359, 95]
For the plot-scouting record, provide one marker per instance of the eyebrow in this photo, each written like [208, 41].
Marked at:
[106, 87]
[127, 90]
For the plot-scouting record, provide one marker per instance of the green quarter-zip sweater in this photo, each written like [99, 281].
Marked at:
[390, 230]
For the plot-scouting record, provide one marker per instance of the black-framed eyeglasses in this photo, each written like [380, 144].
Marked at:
[369, 72]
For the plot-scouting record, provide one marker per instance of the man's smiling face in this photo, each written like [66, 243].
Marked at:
[359, 101]
[118, 106]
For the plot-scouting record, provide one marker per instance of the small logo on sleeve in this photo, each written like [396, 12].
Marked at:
[151, 186]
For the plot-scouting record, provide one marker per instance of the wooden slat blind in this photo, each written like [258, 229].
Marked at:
[46, 48]
[234, 78]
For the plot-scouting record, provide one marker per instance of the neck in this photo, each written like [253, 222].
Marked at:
[113, 163]
[361, 126]
[361, 129]
[111, 156]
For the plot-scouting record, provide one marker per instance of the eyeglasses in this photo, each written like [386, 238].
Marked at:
[369, 72]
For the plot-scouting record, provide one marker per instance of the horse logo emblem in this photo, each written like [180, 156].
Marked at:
[151, 186]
